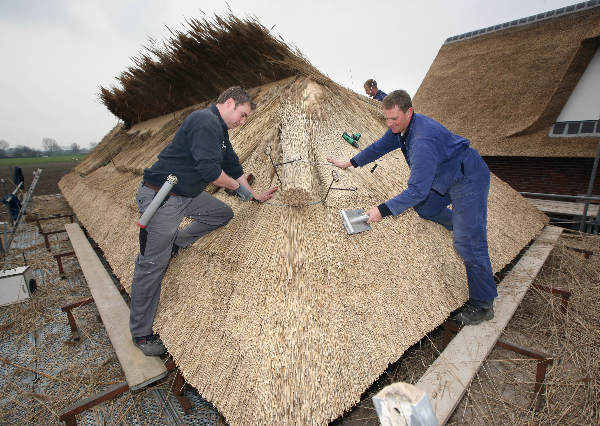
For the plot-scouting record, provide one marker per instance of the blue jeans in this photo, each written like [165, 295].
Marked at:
[468, 221]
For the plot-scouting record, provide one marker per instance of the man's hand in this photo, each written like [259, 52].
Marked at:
[374, 215]
[267, 195]
[339, 163]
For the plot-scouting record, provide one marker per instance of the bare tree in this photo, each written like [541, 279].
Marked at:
[50, 145]
[75, 148]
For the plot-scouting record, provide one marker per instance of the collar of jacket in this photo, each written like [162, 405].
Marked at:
[404, 135]
[213, 108]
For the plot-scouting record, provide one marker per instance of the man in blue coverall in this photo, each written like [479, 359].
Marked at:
[372, 90]
[200, 153]
[444, 170]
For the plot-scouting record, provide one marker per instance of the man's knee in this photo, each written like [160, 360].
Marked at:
[465, 250]
[226, 214]
[427, 213]
[439, 216]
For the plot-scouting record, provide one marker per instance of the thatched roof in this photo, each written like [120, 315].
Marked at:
[197, 64]
[280, 317]
[505, 89]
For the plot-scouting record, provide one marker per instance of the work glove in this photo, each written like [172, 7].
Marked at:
[243, 193]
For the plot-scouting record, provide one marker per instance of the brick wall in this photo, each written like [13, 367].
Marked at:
[568, 176]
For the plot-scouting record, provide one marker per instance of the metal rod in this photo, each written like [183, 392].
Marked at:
[268, 152]
[590, 186]
[179, 386]
[564, 294]
[287, 162]
[69, 415]
[334, 178]
[59, 257]
[543, 360]
[586, 253]
[567, 197]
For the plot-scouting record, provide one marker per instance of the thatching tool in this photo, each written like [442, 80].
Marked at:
[250, 180]
[160, 196]
[351, 139]
[355, 221]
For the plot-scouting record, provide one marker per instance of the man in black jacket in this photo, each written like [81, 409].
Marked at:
[199, 154]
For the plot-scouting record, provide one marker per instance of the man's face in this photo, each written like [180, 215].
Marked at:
[370, 90]
[236, 115]
[396, 119]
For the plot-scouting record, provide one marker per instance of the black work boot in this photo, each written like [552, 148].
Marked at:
[150, 345]
[473, 315]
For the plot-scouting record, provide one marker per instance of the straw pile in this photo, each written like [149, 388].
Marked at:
[43, 206]
[281, 317]
[504, 90]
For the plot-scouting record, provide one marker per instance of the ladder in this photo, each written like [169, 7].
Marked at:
[26, 200]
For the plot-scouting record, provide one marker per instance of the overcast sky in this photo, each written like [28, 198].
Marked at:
[57, 53]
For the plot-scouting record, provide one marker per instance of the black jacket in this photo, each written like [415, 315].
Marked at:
[197, 154]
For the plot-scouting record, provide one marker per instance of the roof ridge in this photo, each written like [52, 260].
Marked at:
[551, 14]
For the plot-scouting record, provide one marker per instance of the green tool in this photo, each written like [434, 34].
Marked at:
[351, 139]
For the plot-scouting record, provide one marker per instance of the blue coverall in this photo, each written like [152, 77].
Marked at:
[380, 95]
[444, 170]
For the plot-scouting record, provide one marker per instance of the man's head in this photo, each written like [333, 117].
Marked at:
[235, 105]
[370, 87]
[398, 110]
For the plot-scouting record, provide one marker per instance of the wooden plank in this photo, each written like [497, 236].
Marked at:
[564, 207]
[448, 377]
[140, 370]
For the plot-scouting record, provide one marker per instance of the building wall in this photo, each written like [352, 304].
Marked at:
[568, 176]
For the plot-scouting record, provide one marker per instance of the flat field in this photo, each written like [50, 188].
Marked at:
[53, 169]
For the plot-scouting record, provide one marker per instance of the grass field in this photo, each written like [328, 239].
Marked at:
[67, 158]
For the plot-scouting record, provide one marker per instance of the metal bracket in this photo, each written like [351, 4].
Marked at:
[69, 415]
[335, 178]
[268, 152]
[543, 361]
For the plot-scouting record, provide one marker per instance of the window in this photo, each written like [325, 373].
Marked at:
[568, 129]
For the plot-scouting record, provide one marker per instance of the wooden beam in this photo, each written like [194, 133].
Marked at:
[448, 377]
[140, 370]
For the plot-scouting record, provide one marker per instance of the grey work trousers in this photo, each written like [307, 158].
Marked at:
[156, 242]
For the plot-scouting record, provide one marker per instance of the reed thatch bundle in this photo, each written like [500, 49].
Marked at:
[281, 317]
[197, 64]
[504, 90]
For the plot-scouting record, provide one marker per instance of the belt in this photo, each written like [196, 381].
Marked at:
[156, 189]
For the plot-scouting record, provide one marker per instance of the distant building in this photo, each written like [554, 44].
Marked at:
[527, 95]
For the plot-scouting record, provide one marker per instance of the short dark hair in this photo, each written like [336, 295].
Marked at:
[239, 96]
[399, 98]
[370, 83]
